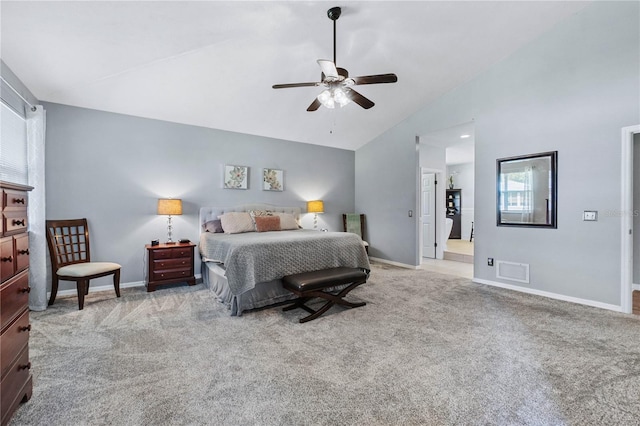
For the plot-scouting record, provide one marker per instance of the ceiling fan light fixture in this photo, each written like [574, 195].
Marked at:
[326, 99]
[340, 97]
[330, 97]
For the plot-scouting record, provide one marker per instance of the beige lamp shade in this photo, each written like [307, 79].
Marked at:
[170, 206]
[316, 206]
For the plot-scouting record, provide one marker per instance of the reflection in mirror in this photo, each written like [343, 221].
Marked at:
[527, 190]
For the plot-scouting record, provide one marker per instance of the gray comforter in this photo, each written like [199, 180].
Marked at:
[256, 257]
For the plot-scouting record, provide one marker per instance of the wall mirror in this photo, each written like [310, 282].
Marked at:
[527, 190]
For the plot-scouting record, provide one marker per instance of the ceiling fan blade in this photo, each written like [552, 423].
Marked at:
[314, 105]
[359, 99]
[375, 79]
[288, 85]
[328, 68]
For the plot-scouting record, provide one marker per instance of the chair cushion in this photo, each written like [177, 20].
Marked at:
[86, 269]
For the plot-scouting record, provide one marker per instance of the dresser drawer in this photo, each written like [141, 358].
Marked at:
[180, 263]
[15, 221]
[171, 274]
[161, 254]
[182, 252]
[171, 253]
[14, 339]
[7, 258]
[22, 251]
[14, 200]
[14, 298]
[13, 383]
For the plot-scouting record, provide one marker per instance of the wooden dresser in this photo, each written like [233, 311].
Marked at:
[16, 382]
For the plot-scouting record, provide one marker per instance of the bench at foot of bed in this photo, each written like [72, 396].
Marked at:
[308, 285]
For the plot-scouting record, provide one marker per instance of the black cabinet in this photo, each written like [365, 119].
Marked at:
[454, 211]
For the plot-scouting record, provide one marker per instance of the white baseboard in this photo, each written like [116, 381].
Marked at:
[550, 295]
[109, 287]
[391, 262]
[635, 287]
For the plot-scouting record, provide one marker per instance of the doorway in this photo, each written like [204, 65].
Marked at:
[629, 292]
[442, 153]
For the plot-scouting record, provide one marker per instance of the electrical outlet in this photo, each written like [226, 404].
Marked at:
[490, 261]
[590, 215]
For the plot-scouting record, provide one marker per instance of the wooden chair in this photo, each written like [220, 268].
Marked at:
[68, 242]
[354, 223]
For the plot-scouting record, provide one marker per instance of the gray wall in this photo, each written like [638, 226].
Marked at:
[112, 168]
[636, 208]
[571, 90]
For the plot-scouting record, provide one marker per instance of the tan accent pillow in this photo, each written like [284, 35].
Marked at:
[236, 222]
[267, 223]
[287, 221]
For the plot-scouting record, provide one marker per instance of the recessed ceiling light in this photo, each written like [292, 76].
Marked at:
[464, 136]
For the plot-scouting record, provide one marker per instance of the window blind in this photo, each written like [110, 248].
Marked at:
[13, 146]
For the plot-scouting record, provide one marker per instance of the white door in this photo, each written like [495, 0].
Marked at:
[428, 215]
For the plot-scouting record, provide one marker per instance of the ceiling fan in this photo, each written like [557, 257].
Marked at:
[336, 81]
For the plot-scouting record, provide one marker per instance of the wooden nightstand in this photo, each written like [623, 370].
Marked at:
[169, 264]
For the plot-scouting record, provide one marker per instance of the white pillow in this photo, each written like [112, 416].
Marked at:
[236, 222]
[287, 221]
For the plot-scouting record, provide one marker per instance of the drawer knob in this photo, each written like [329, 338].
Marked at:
[17, 222]
[25, 290]
[18, 201]
[26, 366]
[7, 259]
[23, 251]
[27, 328]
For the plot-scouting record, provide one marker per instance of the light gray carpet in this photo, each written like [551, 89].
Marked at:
[428, 349]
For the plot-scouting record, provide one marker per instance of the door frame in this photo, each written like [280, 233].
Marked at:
[626, 213]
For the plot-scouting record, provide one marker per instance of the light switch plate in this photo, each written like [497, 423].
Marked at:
[590, 215]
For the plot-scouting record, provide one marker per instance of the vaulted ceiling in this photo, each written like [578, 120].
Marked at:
[212, 63]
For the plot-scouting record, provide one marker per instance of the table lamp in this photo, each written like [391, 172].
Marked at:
[169, 206]
[315, 206]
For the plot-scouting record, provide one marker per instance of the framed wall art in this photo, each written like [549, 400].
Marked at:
[236, 177]
[272, 180]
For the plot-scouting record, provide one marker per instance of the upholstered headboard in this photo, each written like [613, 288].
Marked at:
[211, 213]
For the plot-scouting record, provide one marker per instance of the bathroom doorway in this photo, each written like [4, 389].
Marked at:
[448, 155]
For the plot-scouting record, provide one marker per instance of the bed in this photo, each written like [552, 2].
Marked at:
[244, 270]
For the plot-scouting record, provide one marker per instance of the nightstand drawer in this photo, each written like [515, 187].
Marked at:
[171, 274]
[181, 252]
[160, 254]
[181, 263]
[171, 253]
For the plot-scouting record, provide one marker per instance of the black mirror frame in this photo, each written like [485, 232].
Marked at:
[553, 222]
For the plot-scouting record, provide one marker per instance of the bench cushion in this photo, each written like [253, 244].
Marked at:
[317, 280]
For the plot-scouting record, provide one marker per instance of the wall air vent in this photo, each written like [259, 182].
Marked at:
[512, 271]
